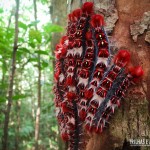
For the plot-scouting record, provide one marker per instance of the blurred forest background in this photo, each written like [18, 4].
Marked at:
[27, 115]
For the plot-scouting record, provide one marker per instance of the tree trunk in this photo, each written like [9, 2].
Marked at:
[37, 122]
[38, 112]
[58, 11]
[17, 140]
[131, 120]
[11, 82]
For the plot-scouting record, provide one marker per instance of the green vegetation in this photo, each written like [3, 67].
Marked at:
[33, 54]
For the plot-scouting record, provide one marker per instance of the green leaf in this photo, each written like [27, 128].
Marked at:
[54, 128]
[20, 39]
[33, 23]
[4, 67]
[2, 99]
[1, 10]
[51, 57]
[32, 44]
[41, 52]
[33, 60]
[44, 64]
[4, 47]
[35, 35]
[44, 1]
[21, 96]
[26, 130]
[22, 25]
[48, 39]
[10, 33]
[23, 49]
[53, 28]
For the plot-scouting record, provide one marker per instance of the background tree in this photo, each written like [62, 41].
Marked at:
[11, 81]
[58, 18]
[37, 121]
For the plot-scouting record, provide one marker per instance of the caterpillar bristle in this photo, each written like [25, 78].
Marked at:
[97, 21]
[122, 58]
[88, 86]
[136, 73]
[87, 8]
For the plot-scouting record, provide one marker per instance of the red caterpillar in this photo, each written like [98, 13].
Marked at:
[77, 27]
[101, 91]
[88, 86]
[113, 99]
[101, 57]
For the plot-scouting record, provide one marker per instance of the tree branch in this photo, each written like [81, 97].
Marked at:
[11, 81]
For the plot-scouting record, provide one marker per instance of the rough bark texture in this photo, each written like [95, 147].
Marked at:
[58, 11]
[131, 120]
[11, 81]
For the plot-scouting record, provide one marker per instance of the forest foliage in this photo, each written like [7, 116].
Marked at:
[31, 44]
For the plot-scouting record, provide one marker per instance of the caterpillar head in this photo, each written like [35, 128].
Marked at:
[122, 58]
[136, 73]
[76, 14]
[87, 8]
[97, 21]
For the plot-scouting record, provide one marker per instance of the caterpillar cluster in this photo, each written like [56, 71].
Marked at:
[89, 85]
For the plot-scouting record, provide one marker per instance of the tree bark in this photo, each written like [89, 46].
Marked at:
[11, 81]
[17, 140]
[131, 120]
[38, 112]
[58, 11]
